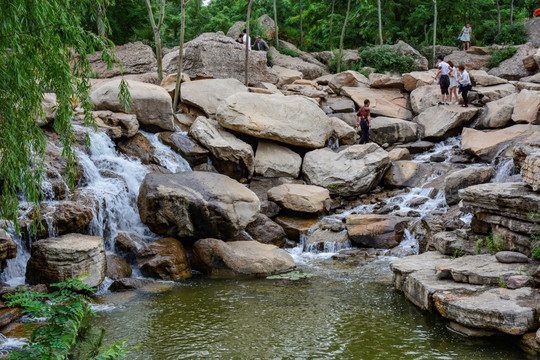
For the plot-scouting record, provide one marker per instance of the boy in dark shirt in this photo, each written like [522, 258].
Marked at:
[363, 119]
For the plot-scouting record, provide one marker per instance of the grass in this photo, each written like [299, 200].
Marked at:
[502, 282]
[535, 238]
[498, 56]
[285, 51]
[457, 253]
[492, 243]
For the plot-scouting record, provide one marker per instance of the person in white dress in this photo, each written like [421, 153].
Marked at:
[452, 89]
[465, 36]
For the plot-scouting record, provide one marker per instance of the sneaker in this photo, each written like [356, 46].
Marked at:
[464, 105]
[441, 103]
[457, 103]
[447, 103]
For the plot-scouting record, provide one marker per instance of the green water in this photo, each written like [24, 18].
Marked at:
[345, 312]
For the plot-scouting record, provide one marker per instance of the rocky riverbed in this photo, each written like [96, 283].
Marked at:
[228, 183]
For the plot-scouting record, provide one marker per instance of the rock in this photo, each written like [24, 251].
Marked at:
[533, 29]
[487, 144]
[338, 105]
[470, 61]
[496, 92]
[452, 243]
[332, 170]
[478, 50]
[299, 197]
[407, 265]
[196, 204]
[9, 315]
[529, 344]
[529, 63]
[305, 90]
[128, 245]
[138, 147]
[275, 117]
[425, 97]
[54, 260]
[346, 134]
[297, 225]
[406, 173]
[347, 78]
[390, 130]
[8, 247]
[208, 94]
[186, 147]
[417, 147]
[509, 257]
[260, 187]
[513, 68]
[136, 58]
[376, 231]
[49, 106]
[323, 239]
[148, 285]
[230, 155]
[517, 281]
[286, 76]
[532, 79]
[117, 125]
[527, 86]
[169, 82]
[536, 57]
[527, 108]
[214, 55]
[465, 178]
[384, 102]
[240, 258]
[497, 114]
[164, 259]
[309, 70]
[386, 80]
[151, 103]
[441, 122]
[117, 268]
[236, 29]
[530, 170]
[469, 331]
[268, 26]
[265, 231]
[273, 160]
[399, 154]
[509, 311]
[482, 78]
[421, 63]
[417, 79]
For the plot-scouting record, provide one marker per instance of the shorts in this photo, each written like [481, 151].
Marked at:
[445, 83]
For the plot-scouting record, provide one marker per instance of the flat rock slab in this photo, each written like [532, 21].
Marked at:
[208, 94]
[409, 264]
[300, 197]
[390, 130]
[441, 122]
[482, 269]
[513, 312]
[384, 102]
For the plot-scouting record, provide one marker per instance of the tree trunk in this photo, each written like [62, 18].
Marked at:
[511, 12]
[434, 29]
[180, 54]
[100, 16]
[276, 25]
[498, 17]
[331, 22]
[380, 21]
[301, 30]
[247, 42]
[340, 54]
[157, 35]
[470, 11]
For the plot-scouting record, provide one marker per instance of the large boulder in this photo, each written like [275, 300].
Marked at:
[384, 102]
[513, 68]
[346, 134]
[274, 160]
[527, 108]
[140, 148]
[470, 61]
[300, 197]
[425, 97]
[184, 145]
[164, 259]
[482, 78]
[533, 31]
[214, 55]
[417, 79]
[347, 78]
[406, 173]
[441, 122]
[116, 125]
[135, 58]
[49, 106]
[286, 76]
[117, 268]
[496, 92]
[8, 247]
[465, 178]
[275, 117]
[268, 26]
[236, 29]
[240, 258]
[390, 130]
[265, 231]
[54, 260]
[196, 204]
[421, 63]
[487, 144]
[386, 80]
[208, 94]
[376, 231]
[349, 171]
[530, 170]
[309, 70]
[497, 114]
[229, 154]
[151, 103]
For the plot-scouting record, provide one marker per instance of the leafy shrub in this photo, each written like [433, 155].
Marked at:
[512, 34]
[285, 51]
[385, 58]
[535, 238]
[61, 325]
[498, 56]
[492, 243]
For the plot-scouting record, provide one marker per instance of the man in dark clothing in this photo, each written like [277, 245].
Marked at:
[363, 119]
[261, 45]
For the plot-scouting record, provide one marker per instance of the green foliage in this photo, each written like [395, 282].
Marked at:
[37, 43]
[498, 56]
[285, 51]
[510, 34]
[61, 325]
[502, 282]
[385, 58]
[293, 275]
[458, 253]
[492, 243]
[535, 238]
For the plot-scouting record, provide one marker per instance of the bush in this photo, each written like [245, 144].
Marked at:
[385, 58]
[498, 56]
[285, 51]
[512, 34]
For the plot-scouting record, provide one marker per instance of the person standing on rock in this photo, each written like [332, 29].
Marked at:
[245, 39]
[363, 120]
[465, 36]
[465, 81]
[453, 74]
[261, 45]
[444, 79]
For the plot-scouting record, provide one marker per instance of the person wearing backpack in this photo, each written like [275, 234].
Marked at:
[363, 120]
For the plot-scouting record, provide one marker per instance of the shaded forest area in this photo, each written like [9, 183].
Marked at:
[493, 21]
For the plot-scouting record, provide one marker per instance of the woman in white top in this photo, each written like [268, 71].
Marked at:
[465, 81]
[452, 73]
[465, 35]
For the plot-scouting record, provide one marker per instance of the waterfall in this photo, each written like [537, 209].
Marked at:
[503, 171]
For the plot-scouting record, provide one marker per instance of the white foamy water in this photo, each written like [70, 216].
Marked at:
[168, 158]
[503, 171]
[444, 147]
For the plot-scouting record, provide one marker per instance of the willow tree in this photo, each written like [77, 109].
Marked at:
[246, 62]
[180, 53]
[276, 24]
[340, 54]
[434, 29]
[156, 28]
[43, 48]
[301, 27]
[380, 21]
[331, 23]
[498, 16]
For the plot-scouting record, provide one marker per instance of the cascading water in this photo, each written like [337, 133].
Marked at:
[504, 170]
